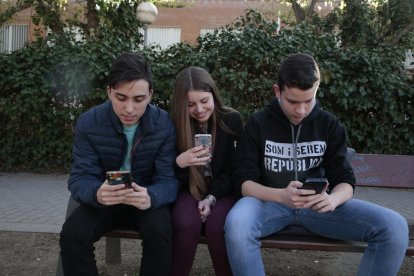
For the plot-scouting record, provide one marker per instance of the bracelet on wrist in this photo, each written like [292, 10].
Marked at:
[211, 199]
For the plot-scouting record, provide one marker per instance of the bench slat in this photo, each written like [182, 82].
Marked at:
[283, 241]
[379, 170]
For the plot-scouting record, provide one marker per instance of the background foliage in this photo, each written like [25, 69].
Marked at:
[46, 85]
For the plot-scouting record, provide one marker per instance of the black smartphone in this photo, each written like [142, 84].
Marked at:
[316, 184]
[119, 177]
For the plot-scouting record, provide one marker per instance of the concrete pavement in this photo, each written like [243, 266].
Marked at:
[37, 202]
[33, 202]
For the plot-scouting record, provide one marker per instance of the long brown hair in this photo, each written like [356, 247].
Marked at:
[195, 79]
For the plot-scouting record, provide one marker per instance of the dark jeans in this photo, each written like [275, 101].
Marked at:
[87, 225]
[187, 228]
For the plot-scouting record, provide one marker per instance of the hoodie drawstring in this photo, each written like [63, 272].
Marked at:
[294, 146]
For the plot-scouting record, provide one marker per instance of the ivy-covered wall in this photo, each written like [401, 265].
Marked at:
[46, 85]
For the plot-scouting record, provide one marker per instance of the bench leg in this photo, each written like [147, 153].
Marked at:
[59, 269]
[113, 250]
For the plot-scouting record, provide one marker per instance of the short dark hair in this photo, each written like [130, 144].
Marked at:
[298, 70]
[129, 67]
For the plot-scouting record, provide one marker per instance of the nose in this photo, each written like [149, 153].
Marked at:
[301, 109]
[129, 106]
[199, 108]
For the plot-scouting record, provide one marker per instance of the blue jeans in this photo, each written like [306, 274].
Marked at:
[385, 231]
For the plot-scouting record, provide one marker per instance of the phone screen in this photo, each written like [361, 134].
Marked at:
[203, 140]
[316, 184]
[119, 177]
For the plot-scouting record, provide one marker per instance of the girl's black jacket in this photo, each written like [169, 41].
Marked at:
[272, 151]
[222, 161]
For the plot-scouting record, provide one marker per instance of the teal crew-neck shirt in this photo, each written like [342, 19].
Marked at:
[130, 134]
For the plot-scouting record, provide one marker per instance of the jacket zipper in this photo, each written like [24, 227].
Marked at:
[138, 140]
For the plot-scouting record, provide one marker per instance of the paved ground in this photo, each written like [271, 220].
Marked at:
[33, 202]
[37, 202]
[34, 205]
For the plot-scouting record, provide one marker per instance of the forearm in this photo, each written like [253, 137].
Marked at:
[85, 192]
[254, 189]
[341, 193]
[163, 192]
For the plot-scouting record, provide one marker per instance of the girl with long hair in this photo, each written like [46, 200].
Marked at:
[204, 173]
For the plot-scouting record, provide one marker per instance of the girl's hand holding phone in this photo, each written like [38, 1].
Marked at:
[193, 157]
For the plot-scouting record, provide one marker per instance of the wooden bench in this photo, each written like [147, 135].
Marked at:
[387, 180]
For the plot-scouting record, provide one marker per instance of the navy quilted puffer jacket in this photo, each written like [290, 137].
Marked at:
[100, 146]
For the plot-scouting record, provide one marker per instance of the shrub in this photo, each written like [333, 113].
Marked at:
[46, 85]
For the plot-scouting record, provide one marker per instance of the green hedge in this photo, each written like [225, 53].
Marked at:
[46, 85]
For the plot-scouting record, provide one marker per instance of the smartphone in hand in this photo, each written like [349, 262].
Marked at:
[203, 140]
[316, 184]
[119, 177]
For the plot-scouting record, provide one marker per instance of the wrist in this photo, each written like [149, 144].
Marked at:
[211, 199]
[178, 161]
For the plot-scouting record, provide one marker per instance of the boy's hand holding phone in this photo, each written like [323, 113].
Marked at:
[318, 185]
[115, 188]
[139, 198]
[320, 201]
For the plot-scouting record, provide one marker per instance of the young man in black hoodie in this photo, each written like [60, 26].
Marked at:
[291, 140]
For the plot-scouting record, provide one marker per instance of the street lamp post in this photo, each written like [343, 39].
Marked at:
[146, 13]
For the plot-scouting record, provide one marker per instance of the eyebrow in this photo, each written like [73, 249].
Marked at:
[294, 101]
[120, 93]
[202, 99]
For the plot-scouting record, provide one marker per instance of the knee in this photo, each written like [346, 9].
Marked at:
[394, 228]
[236, 228]
[161, 228]
[72, 236]
[184, 224]
[69, 232]
[399, 228]
[230, 224]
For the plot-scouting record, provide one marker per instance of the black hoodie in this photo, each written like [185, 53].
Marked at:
[272, 151]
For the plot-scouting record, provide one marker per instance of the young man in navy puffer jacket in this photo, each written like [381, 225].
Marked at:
[126, 133]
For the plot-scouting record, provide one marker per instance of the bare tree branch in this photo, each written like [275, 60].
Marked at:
[10, 12]
[311, 9]
[404, 31]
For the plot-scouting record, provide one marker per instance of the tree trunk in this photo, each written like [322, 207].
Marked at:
[91, 17]
[299, 12]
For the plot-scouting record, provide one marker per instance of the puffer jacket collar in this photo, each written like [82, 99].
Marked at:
[147, 121]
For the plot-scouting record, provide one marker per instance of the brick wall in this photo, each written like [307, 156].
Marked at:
[205, 14]
[198, 14]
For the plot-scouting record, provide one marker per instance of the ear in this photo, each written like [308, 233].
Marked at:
[151, 92]
[276, 90]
